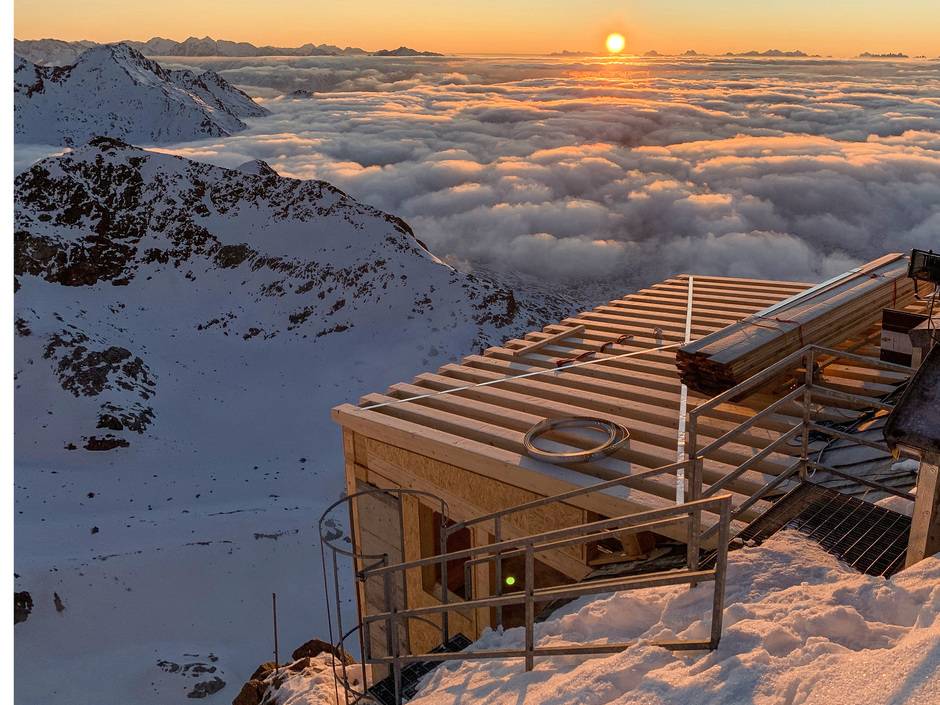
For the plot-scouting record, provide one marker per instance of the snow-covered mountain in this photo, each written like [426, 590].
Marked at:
[55, 52]
[182, 331]
[109, 235]
[115, 90]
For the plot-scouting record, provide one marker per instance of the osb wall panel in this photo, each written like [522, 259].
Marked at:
[481, 492]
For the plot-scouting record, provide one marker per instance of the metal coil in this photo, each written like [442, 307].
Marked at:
[617, 435]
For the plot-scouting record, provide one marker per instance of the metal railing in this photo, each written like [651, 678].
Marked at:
[495, 521]
[804, 369]
[530, 546]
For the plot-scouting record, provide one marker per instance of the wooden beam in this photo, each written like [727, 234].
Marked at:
[925, 521]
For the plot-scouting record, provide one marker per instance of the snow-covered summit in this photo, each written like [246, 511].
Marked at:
[114, 90]
[258, 167]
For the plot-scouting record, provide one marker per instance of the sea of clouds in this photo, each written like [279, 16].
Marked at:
[614, 172]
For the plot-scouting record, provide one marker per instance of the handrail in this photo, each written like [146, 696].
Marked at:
[497, 516]
[626, 520]
[624, 481]
[533, 544]
[786, 363]
[806, 358]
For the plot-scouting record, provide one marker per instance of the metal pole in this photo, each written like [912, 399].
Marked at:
[498, 536]
[529, 607]
[695, 517]
[683, 405]
[396, 662]
[445, 625]
[339, 617]
[277, 659]
[329, 617]
[360, 598]
[809, 361]
[389, 607]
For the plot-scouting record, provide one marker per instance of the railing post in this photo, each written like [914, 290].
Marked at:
[396, 662]
[498, 572]
[390, 637]
[695, 517]
[721, 567]
[445, 625]
[809, 362]
[529, 607]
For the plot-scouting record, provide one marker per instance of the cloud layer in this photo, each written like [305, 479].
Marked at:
[615, 173]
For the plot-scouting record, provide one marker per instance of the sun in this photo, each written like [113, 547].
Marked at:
[615, 43]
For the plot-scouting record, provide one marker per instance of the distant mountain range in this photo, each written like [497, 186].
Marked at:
[869, 55]
[114, 90]
[770, 53]
[56, 52]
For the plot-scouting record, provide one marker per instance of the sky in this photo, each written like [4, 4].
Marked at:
[836, 27]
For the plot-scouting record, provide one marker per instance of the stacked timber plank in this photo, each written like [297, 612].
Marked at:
[824, 315]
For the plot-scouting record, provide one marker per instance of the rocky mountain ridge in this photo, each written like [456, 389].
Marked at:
[109, 235]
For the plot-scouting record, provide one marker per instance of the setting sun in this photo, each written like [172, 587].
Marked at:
[615, 43]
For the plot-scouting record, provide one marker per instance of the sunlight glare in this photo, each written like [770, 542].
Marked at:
[615, 43]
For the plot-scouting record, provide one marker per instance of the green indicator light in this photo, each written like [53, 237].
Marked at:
[510, 580]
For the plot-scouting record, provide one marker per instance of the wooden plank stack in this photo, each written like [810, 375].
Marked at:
[825, 315]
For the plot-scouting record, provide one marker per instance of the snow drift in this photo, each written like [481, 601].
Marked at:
[800, 629]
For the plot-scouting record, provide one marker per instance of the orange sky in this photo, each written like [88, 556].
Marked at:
[839, 27]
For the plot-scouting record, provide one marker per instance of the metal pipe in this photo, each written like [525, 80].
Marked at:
[529, 608]
[849, 437]
[445, 590]
[741, 428]
[864, 402]
[695, 523]
[708, 504]
[570, 650]
[624, 481]
[594, 587]
[864, 481]
[753, 460]
[563, 543]
[497, 538]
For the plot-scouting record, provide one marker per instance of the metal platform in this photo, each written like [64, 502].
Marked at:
[871, 539]
[384, 690]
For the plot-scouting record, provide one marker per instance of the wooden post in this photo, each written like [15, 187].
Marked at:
[925, 521]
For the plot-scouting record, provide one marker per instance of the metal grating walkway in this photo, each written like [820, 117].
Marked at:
[383, 691]
[869, 538]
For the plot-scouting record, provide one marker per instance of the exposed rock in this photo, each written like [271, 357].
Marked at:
[315, 647]
[251, 693]
[109, 442]
[22, 606]
[263, 670]
[206, 688]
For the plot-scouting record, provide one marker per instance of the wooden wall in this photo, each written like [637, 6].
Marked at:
[372, 464]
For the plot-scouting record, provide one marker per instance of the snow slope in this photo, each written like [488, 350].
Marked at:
[114, 90]
[208, 319]
[800, 629]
